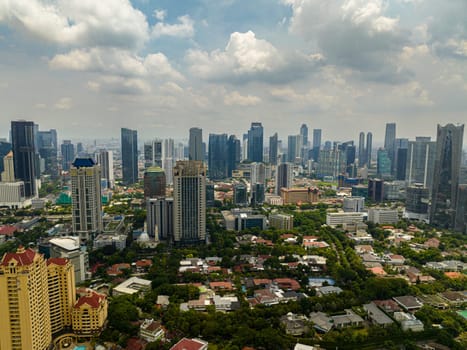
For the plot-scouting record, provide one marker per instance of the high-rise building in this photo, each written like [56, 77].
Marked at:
[461, 209]
[233, 154]
[316, 144]
[8, 174]
[154, 182]
[361, 150]
[416, 202]
[89, 314]
[68, 154]
[48, 147]
[401, 150]
[273, 149]
[61, 291]
[86, 197]
[24, 301]
[196, 144]
[24, 153]
[369, 149]
[255, 142]
[105, 160]
[376, 190]
[160, 220]
[5, 148]
[421, 161]
[257, 194]
[446, 175]
[129, 156]
[304, 142]
[331, 163]
[383, 164]
[153, 153]
[257, 173]
[389, 143]
[240, 195]
[284, 177]
[189, 202]
[218, 156]
[293, 148]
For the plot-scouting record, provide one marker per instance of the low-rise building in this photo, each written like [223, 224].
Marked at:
[408, 322]
[408, 302]
[131, 286]
[151, 330]
[281, 221]
[350, 319]
[335, 219]
[383, 216]
[190, 344]
[295, 325]
[376, 316]
[116, 241]
[300, 195]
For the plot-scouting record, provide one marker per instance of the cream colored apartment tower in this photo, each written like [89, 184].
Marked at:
[24, 302]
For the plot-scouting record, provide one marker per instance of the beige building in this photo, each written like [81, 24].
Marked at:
[281, 221]
[62, 293]
[299, 195]
[24, 301]
[89, 314]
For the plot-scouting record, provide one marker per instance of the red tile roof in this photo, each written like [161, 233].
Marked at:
[93, 299]
[221, 285]
[188, 344]
[144, 263]
[22, 256]
[287, 283]
[57, 261]
[7, 230]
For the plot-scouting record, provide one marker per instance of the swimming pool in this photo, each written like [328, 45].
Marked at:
[80, 347]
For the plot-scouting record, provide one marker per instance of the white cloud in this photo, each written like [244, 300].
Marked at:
[116, 62]
[414, 93]
[64, 103]
[183, 29]
[313, 97]
[160, 14]
[235, 98]
[247, 58]
[124, 86]
[78, 22]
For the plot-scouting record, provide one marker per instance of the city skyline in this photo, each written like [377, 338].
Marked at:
[162, 66]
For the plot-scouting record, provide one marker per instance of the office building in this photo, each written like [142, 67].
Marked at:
[361, 150]
[383, 215]
[8, 173]
[153, 153]
[129, 144]
[255, 142]
[189, 202]
[233, 154]
[281, 221]
[421, 161]
[257, 194]
[106, 161]
[61, 292]
[67, 150]
[240, 195]
[24, 155]
[383, 164]
[86, 197]
[210, 195]
[461, 209]
[369, 149]
[331, 162]
[401, 150]
[390, 143]
[303, 141]
[24, 301]
[12, 195]
[284, 177]
[273, 149]
[293, 148]
[258, 173]
[196, 144]
[218, 157]
[159, 218]
[48, 147]
[446, 175]
[242, 219]
[5, 148]
[376, 190]
[416, 202]
[299, 195]
[154, 182]
[353, 204]
[316, 144]
[335, 219]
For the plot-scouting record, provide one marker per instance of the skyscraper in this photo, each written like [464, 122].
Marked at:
[361, 150]
[369, 148]
[449, 140]
[293, 148]
[24, 301]
[234, 154]
[389, 143]
[196, 144]
[421, 161]
[5, 148]
[461, 209]
[48, 148]
[129, 156]
[316, 144]
[383, 164]
[154, 182]
[255, 142]
[218, 156]
[153, 153]
[401, 150]
[68, 154]
[86, 198]
[24, 153]
[189, 202]
[284, 177]
[304, 142]
[160, 221]
[8, 175]
[106, 161]
[273, 148]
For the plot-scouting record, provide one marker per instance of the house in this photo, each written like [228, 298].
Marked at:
[350, 319]
[162, 301]
[408, 322]
[321, 321]
[287, 283]
[325, 290]
[265, 297]
[190, 344]
[134, 344]
[377, 270]
[408, 302]
[454, 298]
[376, 316]
[388, 306]
[151, 330]
[295, 325]
[219, 286]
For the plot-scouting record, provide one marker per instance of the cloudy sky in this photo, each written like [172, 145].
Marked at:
[88, 68]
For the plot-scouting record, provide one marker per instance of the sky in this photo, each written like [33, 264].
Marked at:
[88, 68]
